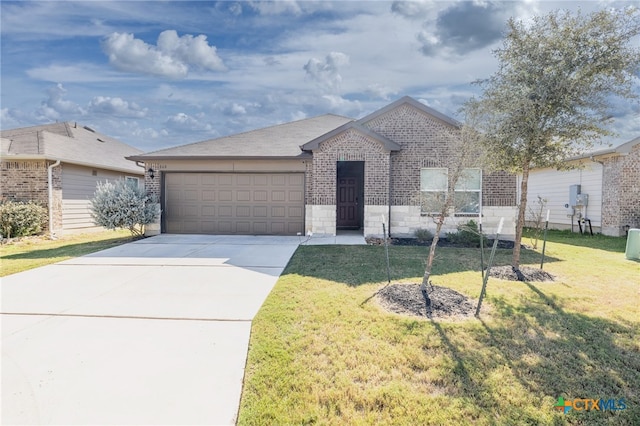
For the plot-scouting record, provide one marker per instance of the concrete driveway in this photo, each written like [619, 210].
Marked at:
[150, 332]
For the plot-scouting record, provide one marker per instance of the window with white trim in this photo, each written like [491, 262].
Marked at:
[467, 191]
[434, 183]
[132, 180]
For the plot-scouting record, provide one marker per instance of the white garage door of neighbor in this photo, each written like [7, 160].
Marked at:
[234, 203]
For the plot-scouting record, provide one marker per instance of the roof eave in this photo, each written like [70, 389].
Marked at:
[64, 160]
[303, 156]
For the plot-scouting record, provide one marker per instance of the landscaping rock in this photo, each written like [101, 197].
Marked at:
[408, 299]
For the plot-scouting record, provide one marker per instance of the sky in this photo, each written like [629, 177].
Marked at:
[156, 74]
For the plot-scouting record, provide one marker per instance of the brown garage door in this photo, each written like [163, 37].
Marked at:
[234, 203]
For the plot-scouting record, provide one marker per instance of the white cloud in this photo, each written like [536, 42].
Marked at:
[340, 105]
[276, 7]
[380, 91]
[298, 115]
[327, 73]
[116, 106]
[55, 107]
[173, 56]
[415, 9]
[182, 121]
[9, 118]
[74, 73]
[148, 133]
[236, 109]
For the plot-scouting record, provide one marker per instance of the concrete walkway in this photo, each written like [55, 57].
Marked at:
[151, 332]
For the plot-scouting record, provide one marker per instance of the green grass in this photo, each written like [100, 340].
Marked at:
[31, 252]
[323, 352]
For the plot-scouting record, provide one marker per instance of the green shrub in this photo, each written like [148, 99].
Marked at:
[123, 205]
[468, 234]
[21, 218]
[423, 235]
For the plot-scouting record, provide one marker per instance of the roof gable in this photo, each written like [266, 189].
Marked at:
[407, 100]
[387, 143]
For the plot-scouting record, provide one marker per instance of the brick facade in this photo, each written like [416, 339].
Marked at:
[350, 146]
[392, 179]
[28, 181]
[153, 186]
[427, 142]
[621, 192]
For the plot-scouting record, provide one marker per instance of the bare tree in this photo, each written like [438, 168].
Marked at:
[463, 153]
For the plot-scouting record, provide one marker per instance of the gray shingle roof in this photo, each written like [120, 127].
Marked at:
[280, 141]
[70, 143]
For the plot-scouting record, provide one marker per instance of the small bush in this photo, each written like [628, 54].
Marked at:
[468, 234]
[21, 219]
[423, 235]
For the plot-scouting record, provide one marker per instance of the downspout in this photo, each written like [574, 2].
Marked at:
[50, 182]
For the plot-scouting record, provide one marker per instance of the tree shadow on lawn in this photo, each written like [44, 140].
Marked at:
[357, 265]
[537, 351]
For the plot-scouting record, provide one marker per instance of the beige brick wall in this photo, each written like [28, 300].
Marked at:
[405, 220]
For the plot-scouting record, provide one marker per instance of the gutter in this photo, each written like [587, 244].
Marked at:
[22, 157]
[50, 182]
[150, 158]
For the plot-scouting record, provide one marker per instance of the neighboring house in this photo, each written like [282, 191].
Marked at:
[322, 175]
[606, 191]
[59, 165]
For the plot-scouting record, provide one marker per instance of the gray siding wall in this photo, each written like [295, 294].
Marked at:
[78, 186]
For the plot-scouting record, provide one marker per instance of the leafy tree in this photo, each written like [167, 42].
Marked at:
[552, 94]
[121, 204]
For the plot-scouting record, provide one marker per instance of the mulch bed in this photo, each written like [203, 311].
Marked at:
[527, 274]
[408, 299]
[442, 242]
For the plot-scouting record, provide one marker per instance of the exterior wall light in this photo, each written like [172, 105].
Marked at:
[151, 171]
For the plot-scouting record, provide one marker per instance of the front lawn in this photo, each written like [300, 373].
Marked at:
[31, 252]
[322, 351]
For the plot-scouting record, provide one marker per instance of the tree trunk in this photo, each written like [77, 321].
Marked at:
[432, 254]
[522, 208]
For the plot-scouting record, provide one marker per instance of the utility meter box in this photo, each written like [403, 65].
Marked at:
[574, 191]
[582, 199]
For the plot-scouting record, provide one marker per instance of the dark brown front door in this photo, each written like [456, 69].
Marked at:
[348, 209]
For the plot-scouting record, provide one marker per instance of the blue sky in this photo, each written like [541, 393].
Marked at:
[156, 74]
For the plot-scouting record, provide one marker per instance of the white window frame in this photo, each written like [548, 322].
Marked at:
[432, 190]
[478, 190]
[130, 179]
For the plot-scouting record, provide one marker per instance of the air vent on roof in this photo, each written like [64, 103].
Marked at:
[89, 129]
[100, 140]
